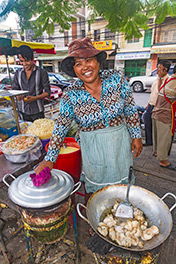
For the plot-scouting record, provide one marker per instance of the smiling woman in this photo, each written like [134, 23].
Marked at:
[102, 105]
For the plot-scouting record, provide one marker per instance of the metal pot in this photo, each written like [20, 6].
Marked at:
[23, 193]
[153, 207]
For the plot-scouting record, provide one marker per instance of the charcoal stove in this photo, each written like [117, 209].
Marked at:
[106, 253]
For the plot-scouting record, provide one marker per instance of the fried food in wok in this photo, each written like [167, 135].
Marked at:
[127, 233]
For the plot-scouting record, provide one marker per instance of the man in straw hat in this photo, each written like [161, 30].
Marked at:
[102, 105]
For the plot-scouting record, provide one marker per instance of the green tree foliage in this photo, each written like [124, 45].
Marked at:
[128, 16]
[41, 15]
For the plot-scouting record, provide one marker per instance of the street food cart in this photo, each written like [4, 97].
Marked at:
[9, 47]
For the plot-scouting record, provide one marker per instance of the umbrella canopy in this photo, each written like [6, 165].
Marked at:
[10, 46]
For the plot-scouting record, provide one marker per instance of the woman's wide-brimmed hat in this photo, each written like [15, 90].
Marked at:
[80, 48]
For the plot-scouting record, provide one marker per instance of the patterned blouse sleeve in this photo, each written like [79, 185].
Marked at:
[61, 128]
[130, 111]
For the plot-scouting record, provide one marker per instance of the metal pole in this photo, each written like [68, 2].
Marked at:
[15, 112]
[8, 69]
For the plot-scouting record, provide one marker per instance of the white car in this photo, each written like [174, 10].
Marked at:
[4, 70]
[141, 83]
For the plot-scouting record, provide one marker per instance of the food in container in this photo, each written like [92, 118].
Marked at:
[22, 148]
[153, 207]
[66, 150]
[19, 144]
[127, 232]
[42, 128]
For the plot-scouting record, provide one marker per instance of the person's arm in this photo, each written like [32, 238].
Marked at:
[132, 120]
[147, 106]
[31, 98]
[61, 128]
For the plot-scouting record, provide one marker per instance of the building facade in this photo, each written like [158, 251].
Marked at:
[164, 43]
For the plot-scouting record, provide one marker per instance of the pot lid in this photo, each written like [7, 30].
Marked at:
[23, 193]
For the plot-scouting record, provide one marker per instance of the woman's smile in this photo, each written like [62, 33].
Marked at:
[87, 69]
[88, 73]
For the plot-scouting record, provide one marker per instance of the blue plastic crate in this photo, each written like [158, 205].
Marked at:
[9, 131]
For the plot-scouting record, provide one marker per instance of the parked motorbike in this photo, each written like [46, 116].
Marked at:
[141, 111]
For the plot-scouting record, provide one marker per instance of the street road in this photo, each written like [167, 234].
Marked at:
[141, 99]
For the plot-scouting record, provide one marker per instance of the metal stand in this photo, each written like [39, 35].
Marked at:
[15, 113]
[29, 245]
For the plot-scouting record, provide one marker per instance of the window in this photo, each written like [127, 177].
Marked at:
[83, 33]
[165, 36]
[97, 34]
[66, 38]
[173, 35]
[109, 34]
[148, 38]
[132, 40]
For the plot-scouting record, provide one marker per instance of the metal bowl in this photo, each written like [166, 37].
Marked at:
[30, 154]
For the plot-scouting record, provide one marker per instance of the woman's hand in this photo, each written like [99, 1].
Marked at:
[42, 165]
[136, 146]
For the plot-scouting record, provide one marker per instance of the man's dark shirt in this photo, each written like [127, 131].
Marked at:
[36, 85]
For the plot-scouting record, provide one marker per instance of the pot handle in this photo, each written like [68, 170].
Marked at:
[79, 212]
[171, 194]
[4, 179]
[78, 184]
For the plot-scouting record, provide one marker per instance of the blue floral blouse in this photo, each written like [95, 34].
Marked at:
[116, 106]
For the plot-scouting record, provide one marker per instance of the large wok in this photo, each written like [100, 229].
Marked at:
[153, 207]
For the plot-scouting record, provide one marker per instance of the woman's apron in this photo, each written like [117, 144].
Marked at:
[106, 157]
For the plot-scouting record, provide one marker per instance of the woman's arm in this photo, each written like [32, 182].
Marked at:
[61, 128]
[132, 120]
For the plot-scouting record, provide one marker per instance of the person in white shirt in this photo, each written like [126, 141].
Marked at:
[151, 103]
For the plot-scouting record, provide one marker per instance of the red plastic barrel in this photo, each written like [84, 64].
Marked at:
[69, 162]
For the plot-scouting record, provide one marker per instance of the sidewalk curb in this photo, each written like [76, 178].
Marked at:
[151, 172]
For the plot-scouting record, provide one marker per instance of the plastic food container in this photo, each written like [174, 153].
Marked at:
[44, 142]
[69, 162]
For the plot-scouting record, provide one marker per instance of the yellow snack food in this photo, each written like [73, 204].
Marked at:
[42, 128]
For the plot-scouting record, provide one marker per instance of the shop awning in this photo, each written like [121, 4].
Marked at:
[9, 46]
[163, 49]
[60, 55]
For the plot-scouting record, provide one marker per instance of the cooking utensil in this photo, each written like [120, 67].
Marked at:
[153, 207]
[23, 193]
[125, 209]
